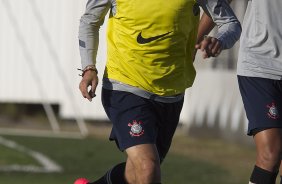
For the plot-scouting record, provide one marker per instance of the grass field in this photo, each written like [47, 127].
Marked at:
[190, 160]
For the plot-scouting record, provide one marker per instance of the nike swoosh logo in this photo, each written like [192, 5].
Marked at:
[142, 40]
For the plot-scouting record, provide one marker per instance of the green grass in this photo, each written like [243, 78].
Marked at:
[190, 161]
[10, 156]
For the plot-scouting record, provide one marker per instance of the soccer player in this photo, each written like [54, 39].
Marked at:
[150, 51]
[259, 75]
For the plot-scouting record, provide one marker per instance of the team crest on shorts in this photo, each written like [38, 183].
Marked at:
[272, 111]
[136, 129]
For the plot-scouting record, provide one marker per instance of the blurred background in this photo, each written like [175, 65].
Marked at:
[49, 133]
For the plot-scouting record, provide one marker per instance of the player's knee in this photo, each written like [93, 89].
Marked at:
[270, 157]
[149, 165]
[150, 169]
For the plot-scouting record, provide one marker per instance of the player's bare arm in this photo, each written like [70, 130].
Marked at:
[206, 24]
[209, 46]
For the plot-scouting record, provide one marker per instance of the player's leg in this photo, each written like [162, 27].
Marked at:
[166, 118]
[142, 167]
[134, 128]
[144, 160]
[268, 144]
[114, 176]
[136, 121]
[262, 100]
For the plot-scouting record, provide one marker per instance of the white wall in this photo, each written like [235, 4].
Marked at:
[39, 55]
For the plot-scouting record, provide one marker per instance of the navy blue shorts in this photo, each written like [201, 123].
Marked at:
[137, 120]
[262, 100]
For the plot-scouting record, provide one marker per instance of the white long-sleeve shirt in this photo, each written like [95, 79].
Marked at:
[261, 41]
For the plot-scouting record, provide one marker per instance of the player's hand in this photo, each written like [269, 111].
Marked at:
[210, 46]
[89, 78]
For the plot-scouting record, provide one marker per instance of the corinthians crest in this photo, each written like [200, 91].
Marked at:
[273, 111]
[136, 129]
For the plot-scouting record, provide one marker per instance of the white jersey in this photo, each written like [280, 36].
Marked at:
[261, 40]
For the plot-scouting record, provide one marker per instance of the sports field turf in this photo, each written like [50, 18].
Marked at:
[190, 161]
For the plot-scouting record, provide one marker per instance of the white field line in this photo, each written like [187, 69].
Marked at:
[40, 133]
[47, 165]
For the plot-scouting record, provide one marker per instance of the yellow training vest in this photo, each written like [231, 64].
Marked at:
[151, 45]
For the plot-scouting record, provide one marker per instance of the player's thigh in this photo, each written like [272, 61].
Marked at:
[271, 137]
